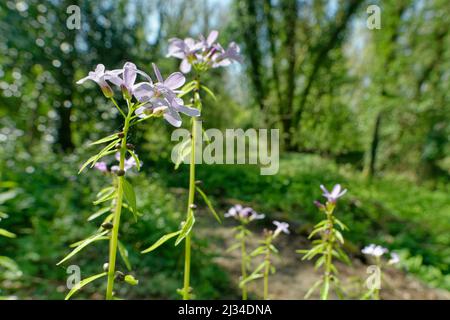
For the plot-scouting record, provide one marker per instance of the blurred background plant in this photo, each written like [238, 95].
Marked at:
[365, 108]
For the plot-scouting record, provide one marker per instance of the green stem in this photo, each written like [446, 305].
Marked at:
[266, 275]
[244, 264]
[376, 292]
[114, 239]
[329, 255]
[187, 250]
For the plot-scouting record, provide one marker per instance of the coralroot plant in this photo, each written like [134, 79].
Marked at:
[328, 246]
[200, 56]
[143, 100]
[376, 252]
[266, 249]
[244, 215]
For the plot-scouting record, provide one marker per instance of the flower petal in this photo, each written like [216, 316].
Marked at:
[157, 73]
[185, 66]
[175, 80]
[173, 117]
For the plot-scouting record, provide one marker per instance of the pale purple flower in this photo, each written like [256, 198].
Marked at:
[374, 250]
[162, 97]
[101, 166]
[281, 227]
[243, 213]
[335, 194]
[395, 258]
[224, 58]
[185, 50]
[125, 78]
[205, 52]
[98, 76]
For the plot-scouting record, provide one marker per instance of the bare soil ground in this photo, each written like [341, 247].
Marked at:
[294, 277]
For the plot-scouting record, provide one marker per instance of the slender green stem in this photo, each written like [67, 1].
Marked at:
[191, 198]
[376, 291]
[118, 108]
[266, 274]
[114, 239]
[328, 257]
[244, 264]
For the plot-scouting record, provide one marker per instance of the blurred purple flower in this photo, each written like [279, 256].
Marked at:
[205, 52]
[101, 166]
[281, 227]
[335, 194]
[162, 97]
[243, 213]
[224, 58]
[184, 50]
[98, 76]
[374, 250]
[395, 258]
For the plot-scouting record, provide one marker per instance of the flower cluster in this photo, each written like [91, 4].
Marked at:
[203, 53]
[158, 98]
[243, 213]
[378, 251]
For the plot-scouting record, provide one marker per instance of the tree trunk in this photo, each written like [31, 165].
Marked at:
[374, 146]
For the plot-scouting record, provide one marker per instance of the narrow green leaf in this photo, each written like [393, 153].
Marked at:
[313, 288]
[105, 139]
[98, 213]
[76, 244]
[138, 163]
[106, 197]
[186, 229]
[161, 241]
[105, 151]
[233, 247]
[208, 91]
[183, 151]
[82, 245]
[339, 236]
[84, 165]
[208, 203]
[258, 251]
[82, 283]
[124, 255]
[325, 290]
[8, 263]
[130, 196]
[6, 233]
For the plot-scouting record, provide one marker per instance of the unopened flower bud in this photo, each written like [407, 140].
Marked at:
[198, 182]
[107, 225]
[107, 91]
[120, 173]
[125, 92]
[106, 266]
[121, 135]
[130, 146]
[319, 205]
[193, 206]
[118, 146]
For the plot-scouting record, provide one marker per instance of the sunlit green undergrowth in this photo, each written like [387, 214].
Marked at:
[48, 212]
[389, 210]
